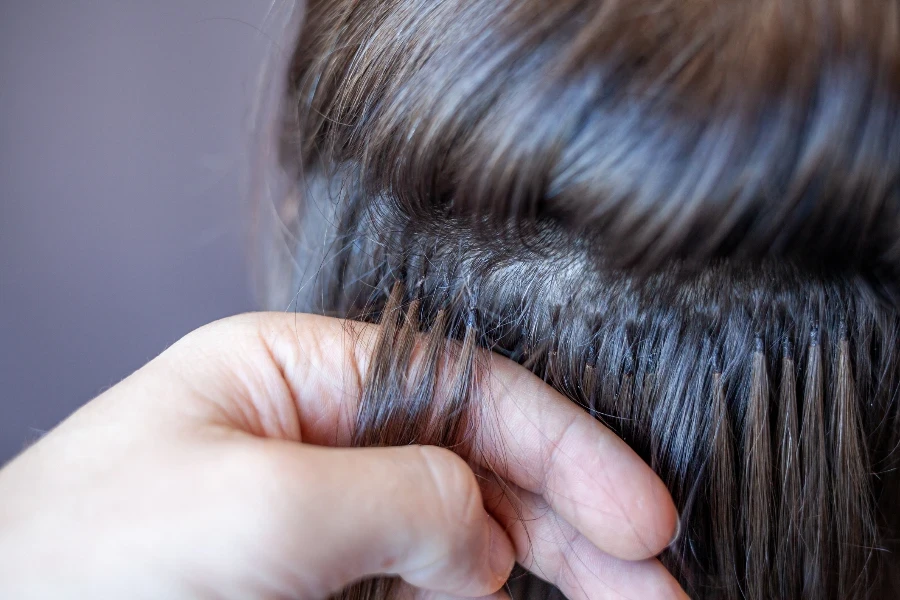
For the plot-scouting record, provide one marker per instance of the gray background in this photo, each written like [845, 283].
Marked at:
[123, 224]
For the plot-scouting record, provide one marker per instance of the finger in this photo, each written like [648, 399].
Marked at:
[539, 440]
[302, 379]
[556, 552]
[413, 512]
[529, 434]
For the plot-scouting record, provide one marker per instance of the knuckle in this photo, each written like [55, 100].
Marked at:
[456, 510]
[455, 488]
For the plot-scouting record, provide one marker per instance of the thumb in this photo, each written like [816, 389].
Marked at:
[348, 514]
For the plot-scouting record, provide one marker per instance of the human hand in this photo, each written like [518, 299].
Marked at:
[221, 470]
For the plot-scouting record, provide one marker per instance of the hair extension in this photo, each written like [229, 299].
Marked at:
[814, 503]
[692, 396]
[417, 391]
[849, 465]
[681, 215]
[788, 550]
[757, 478]
[721, 490]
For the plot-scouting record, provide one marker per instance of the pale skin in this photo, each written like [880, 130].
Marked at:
[222, 470]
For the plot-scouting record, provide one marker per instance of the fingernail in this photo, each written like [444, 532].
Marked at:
[501, 554]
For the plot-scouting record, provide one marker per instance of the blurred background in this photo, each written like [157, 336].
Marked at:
[124, 220]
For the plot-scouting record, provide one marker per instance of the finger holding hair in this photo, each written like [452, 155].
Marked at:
[207, 465]
[529, 433]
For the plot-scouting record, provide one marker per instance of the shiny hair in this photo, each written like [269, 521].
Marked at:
[685, 216]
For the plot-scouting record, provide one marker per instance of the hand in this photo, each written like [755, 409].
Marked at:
[221, 470]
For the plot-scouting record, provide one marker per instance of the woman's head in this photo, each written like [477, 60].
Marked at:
[683, 215]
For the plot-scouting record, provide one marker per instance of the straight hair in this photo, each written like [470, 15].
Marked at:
[684, 216]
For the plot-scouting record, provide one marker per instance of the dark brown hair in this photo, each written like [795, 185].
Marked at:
[683, 215]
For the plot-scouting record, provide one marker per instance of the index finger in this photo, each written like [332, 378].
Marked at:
[543, 442]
